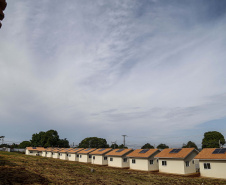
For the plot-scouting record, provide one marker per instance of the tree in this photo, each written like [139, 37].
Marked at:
[24, 144]
[93, 142]
[122, 146]
[49, 138]
[190, 144]
[147, 146]
[211, 139]
[162, 146]
[114, 146]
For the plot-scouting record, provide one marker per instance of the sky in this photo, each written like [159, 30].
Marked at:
[153, 70]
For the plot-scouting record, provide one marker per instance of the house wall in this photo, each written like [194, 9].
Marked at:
[143, 164]
[56, 155]
[99, 159]
[118, 162]
[34, 153]
[192, 167]
[85, 158]
[72, 157]
[49, 154]
[63, 156]
[175, 166]
[217, 169]
[44, 154]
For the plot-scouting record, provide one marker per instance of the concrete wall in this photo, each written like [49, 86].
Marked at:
[217, 169]
[144, 164]
[192, 167]
[34, 153]
[99, 159]
[49, 154]
[44, 154]
[118, 162]
[63, 156]
[84, 158]
[55, 155]
[175, 166]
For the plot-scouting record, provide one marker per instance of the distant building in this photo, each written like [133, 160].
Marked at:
[34, 151]
[212, 162]
[99, 156]
[73, 154]
[85, 156]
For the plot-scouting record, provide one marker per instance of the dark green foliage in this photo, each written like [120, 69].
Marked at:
[24, 144]
[122, 146]
[93, 142]
[49, 139]
[162, 146]
[211, 139]
[190, 144]
[147, 146]
[114, 146]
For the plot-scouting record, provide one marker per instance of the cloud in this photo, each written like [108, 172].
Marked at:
[107, 68]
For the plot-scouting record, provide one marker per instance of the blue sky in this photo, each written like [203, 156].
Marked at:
[151, 69]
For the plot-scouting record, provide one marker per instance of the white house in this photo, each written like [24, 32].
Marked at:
[212, 162]
[143, 159]
[117, 158]
[99, 156]
[56, 153]
[34, 150]
[64, 153]
[85, 156]
[177, 161]
[49, 152]
[73, 154]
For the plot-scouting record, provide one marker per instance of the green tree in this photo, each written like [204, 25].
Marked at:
[190, 144]
[211, 139]
[24, 144]
[63, 143]
[162, 146]
[122, 146]
[147, 146]
[93, 142]
[114, 146]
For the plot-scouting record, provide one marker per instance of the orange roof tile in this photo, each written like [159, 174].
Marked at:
[35, 148]
[119, 152]
[184, 152]
[207, 153]
[86, 151]
[147, 154]
[65, 150]
[75, 150]
[101, 151]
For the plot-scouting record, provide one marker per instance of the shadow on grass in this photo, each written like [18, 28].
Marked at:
[11, 173]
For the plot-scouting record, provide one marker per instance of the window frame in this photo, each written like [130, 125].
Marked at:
[164, 163]
[133, 161]
[206, 166]
[151, 162]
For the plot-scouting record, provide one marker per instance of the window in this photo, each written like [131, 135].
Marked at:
[111, 159]
[151, 162]
[187, 163]
[93, 157]
[164, 163]
[125, 160]
[80, 156]
[105, 158]
[69, 155]
[207, 166]
[77, 155]
[90, 156]
[133, 161]
[31, 152]
[193, 162]
[52, 153]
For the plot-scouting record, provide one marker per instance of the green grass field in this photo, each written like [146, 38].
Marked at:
[18, 168]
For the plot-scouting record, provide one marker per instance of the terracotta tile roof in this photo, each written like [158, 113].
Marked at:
[86, 151]
[147, 153]
[57, 149]
[184, 152]
[65, 150]
[75, 150]
[207, 153]
[119, 152]
[35, 148]
[101, 151]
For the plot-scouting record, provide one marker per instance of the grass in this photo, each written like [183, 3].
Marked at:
[16, 168]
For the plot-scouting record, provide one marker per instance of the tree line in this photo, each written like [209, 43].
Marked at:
[50, 138]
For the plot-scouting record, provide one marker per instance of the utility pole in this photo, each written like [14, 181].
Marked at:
[124, 140]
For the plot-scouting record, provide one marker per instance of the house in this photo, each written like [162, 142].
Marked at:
[49, 152]
[98, 156]
[73, 154]
[64, 153]
[143, 159]
[177, 161]
[212, 162]
[117, 158]
[34, 150]
[84, 155]
[56, 153]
